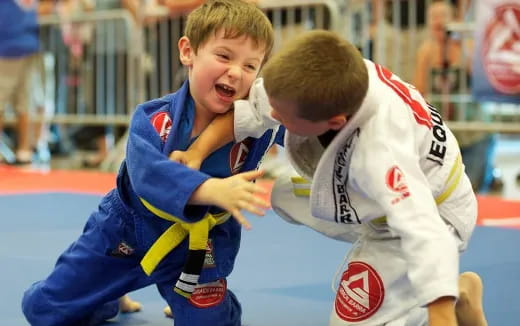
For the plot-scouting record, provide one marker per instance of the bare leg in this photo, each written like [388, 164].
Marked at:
[23, 151]
[103, 146]
[126, 304]
[469, 309]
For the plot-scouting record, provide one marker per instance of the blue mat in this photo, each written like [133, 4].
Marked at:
[282, 275]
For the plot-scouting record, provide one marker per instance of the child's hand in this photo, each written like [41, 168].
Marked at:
[234, 194]
[190, 158]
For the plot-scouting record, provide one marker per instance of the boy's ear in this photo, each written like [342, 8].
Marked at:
[185, 51]
[337, 122]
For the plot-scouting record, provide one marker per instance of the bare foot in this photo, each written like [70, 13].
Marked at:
[126, 304]
[168, 312]
[469, 309]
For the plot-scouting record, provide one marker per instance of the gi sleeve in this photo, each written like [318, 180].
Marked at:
[163, 186]
[386, 167]
[253, 116]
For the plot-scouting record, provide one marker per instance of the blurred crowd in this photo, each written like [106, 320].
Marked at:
[439, 63]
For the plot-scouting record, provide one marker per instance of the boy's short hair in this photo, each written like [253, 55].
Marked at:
[236, 17]
[323, 74]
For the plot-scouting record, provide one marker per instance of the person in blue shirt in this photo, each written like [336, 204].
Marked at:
[19, 42]
[164, 223]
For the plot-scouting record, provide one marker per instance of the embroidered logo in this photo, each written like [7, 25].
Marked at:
[209, 259]
[238, 155]
[209, 294]
[163, 124]
[360, 293]
[396, 182]
[123, 250]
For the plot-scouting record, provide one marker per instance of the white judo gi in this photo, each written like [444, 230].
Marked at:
[392, 180]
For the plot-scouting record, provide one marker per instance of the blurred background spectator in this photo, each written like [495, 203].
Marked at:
[443, 75]
[19, 45]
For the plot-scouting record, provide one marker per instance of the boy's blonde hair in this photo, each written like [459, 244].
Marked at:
[236, 17]
[323, 74]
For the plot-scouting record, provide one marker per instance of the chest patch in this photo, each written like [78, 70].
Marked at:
[238, 155]
[162, 123]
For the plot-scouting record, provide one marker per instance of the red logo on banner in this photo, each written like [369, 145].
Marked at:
[163, 124]
[501, 49]
[360, 293]
[238, 155]
[209, 294]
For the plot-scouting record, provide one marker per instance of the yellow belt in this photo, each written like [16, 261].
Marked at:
[175, 234]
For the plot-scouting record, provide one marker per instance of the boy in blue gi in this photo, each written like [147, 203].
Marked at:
[137, 237]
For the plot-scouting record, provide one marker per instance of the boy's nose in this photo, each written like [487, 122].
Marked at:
[234, 72]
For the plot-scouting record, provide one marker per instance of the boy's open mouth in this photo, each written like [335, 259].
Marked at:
[225, 91]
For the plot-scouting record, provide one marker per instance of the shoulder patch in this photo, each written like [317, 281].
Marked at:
[238, 155]
[162, 123]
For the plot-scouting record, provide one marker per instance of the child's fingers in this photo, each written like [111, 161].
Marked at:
[256, 189]
[253, 209]
[176, 156]
[252, 175]
[193, 165]
[259, 202]
[263, 204]
[241, 219]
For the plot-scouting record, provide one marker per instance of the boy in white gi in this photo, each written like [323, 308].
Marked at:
[385, 172]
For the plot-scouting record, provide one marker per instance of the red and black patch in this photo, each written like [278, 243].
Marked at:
[209, 294]
[238, 155]
[162, 123]
[360, 293]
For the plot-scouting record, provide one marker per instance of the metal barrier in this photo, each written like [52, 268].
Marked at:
[94, 73]
[123, 63]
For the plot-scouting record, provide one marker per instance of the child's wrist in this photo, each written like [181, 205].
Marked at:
[198, 151]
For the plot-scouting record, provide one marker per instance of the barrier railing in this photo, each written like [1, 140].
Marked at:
[94, 72]
[122, 63]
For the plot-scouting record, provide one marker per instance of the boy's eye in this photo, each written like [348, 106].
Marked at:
[223, 56]
[251, 67]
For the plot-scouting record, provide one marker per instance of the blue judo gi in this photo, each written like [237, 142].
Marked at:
[104, 263]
